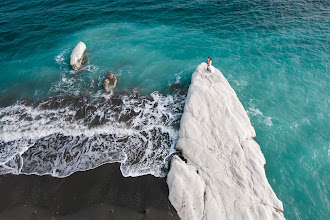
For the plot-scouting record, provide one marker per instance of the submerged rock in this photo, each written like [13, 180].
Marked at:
[78, 56]
[224, 176]
[110, 82]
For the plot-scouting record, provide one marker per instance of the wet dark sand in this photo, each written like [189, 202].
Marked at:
[101, 193]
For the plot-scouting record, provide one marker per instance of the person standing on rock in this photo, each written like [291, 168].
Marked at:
[209, 62]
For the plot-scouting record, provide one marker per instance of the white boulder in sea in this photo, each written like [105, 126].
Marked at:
[77, 56]
[223, 176]
[110, 82]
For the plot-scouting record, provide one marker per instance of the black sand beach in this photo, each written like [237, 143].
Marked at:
[101, 193]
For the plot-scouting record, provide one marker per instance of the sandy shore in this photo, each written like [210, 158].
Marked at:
[101, 193]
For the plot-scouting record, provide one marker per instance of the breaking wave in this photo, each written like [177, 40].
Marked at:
[65, 134]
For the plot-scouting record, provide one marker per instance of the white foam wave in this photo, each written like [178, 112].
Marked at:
[91, 68]
[63, 57]
[254, 111]
[63, 135]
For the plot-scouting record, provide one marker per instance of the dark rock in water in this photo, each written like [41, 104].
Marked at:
[110, 82]
[174, 87]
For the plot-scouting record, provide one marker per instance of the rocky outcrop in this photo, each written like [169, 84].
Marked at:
[110, 82]
[78, 56]
[223, 176]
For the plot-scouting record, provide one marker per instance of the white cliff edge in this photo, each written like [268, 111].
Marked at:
[77, 56]
[224, 176]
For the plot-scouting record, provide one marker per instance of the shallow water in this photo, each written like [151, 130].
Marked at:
[275, 54]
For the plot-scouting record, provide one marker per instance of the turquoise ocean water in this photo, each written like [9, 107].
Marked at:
[275, 54]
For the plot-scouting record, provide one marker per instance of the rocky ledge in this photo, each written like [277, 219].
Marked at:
[223, 174]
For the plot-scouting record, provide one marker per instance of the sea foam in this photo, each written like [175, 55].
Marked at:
[64, 134]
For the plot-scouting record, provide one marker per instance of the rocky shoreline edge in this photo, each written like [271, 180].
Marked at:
[221, 175]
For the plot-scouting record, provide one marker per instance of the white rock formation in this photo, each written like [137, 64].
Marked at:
[77, 56]
[110, 82]
[224, 176]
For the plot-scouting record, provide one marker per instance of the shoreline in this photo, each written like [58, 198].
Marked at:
[100, 193]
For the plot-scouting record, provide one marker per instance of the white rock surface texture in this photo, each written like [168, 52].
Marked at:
[78, 56]
[110, 82]
[223, 176]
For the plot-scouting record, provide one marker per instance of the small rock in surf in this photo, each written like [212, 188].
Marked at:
[110, 82]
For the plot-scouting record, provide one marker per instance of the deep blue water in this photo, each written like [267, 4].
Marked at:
[275, 54]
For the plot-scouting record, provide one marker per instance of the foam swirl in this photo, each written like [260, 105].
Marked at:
[65, 134]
